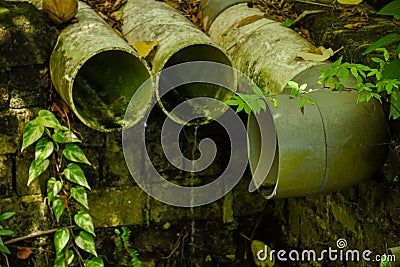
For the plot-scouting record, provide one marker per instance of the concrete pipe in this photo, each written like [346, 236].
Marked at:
[179, 41]
[336, 143]
[260, 48]
[96, 72]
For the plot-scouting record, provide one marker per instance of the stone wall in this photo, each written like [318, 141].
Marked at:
[115, 199]
[366, 215]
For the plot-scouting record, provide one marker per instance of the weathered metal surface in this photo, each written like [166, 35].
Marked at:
[96, 72]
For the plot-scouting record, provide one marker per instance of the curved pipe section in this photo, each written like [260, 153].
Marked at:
[179, 41]
[335, 144]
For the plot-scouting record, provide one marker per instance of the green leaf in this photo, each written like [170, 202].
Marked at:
[389, 88]
[262, 104]
[344, 74]
[240, 107]
[362, 97]
[3, 247]
[94, 262]
[53, 188]
[74, 153]
[384, 41]
[75, 174]
[384, 261]
[61, 238]
[391, 9]
[60, 260]
[310, 101]
[258, 91]
[80, 195]
[6, 232]
[394, 106]
[43, 149]
[85, 241]
[386, 53]
[376, 96]
[6, 215]
[287, 23]
[58, 207]
[377, 60]
[392, 70]
[337, 63]
[47, 119]
[36, 169]
[232, 102]
[32, 133]
[292, 84]
[253, 105]
[70, 256]
[84, 221]
[64, 136]
[354, 72]
[247, 109]
[303, 101]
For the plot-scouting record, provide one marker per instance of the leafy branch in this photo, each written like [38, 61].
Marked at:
[258, 101]
[128, 256]
[56, 144]
[371, 82]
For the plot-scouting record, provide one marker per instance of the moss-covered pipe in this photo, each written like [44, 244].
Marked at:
[261, 48]
[179, 41]
[96, 72]
[336, 143]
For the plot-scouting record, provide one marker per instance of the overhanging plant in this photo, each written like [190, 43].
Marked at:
[57, 146]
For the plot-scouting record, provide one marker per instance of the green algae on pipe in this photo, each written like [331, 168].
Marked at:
[260, 48]
[335, 144]
[179, 41]
[96, 73]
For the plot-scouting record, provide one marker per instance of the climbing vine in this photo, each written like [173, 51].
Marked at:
[56, 146]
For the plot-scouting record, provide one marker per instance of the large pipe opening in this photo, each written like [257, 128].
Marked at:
[195, 53]
[104, 86]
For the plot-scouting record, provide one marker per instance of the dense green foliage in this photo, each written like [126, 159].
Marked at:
[66, 191]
